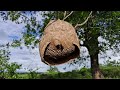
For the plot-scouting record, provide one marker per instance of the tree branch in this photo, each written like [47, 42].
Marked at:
[67, 15]
[24, 16]
[77, 25]
[82, 45]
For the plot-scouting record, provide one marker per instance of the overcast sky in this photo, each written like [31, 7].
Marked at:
[29, 58]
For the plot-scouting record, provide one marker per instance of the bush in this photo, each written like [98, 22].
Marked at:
[11, 70]
[7, 70]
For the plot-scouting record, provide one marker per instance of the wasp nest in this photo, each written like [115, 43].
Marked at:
[59, 43]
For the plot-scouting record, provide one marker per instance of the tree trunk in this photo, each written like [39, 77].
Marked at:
[91, 42]
[96, 73]
[93, 52]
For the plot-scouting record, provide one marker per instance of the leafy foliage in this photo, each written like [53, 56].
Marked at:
[111, 70]
[7, 70]
[102, 24]
[32, 74]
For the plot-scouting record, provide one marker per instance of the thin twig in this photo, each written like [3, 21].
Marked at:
[65, 14]
[24, 16]
[68, 15]
[84, 21]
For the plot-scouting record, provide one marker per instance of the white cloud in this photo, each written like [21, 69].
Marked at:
[28, 58]
[3, 37]
[11, 28]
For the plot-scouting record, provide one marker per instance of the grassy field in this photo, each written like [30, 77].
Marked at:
[111, 70]
[84, 73]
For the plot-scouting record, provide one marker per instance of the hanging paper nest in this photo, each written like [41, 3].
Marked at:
[59, 43]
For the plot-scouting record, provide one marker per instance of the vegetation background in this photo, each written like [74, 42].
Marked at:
[90, 26]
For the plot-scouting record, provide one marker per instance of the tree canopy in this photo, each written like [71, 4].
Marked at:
[101, 32]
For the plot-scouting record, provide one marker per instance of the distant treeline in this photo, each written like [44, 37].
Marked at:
[110, 70]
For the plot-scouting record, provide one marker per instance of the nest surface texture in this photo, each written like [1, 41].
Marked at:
[59, 43]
